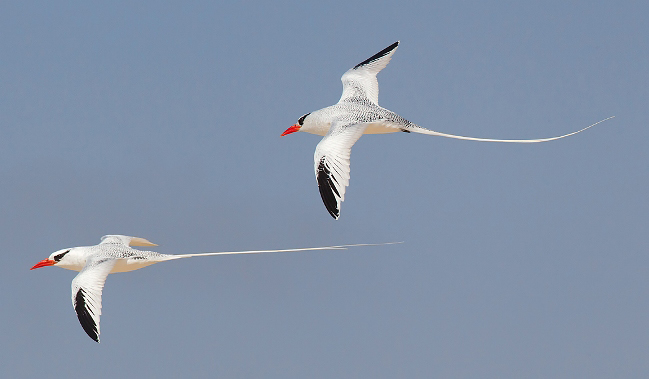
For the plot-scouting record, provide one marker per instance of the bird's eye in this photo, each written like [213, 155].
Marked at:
[58, 257]
[301, 120]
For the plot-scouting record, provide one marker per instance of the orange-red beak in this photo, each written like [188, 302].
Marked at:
[292, 129]
[43, 263]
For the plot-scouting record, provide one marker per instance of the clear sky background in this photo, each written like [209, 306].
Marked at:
[162, 120]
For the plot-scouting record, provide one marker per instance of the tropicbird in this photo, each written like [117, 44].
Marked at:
[357, 113]
[114, 254]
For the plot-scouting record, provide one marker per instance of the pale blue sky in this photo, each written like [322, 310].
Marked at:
[162, 120]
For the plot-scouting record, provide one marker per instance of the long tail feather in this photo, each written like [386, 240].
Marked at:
[434, 133]
[339, 247]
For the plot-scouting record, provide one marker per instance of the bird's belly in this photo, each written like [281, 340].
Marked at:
[373, 128]
[125, 265]
[380, 128]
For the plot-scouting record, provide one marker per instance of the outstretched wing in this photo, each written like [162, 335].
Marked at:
[331, 160]
[86, 293]
[125, 240]
[360, 82]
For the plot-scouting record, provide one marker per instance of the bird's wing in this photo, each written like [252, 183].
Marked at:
[86, 293]
[331, 160]
[360, 81]
[126, 240]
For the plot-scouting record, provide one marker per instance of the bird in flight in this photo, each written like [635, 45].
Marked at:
[115, 254]
[357, 113]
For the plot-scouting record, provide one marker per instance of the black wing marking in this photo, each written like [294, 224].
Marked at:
[85, 315]
[328, 191]
[378, 55]
[360, 81]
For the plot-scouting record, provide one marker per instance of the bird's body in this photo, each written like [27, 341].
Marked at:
[126, 258]
[114, 254]
[357, 113]
[378, 120]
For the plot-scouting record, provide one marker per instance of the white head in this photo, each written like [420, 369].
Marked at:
[65, 258]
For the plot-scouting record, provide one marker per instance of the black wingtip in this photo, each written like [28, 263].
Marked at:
[378, 55]
[84, 315]
[327, 189]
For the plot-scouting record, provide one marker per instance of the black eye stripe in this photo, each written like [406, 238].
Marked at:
[58, 257]
[301, 120]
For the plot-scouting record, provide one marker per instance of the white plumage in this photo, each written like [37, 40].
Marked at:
[115, 254]
[357, 113]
